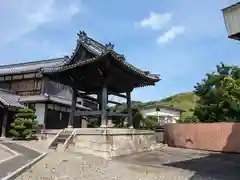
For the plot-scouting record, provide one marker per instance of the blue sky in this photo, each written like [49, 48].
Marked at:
[180, 39]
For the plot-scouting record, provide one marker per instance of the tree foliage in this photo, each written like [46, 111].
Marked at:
[24, 126]
[139, 122]
[150, 122]
[137, 118]
[219, 95]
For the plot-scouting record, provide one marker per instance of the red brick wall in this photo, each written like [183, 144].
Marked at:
[223, 137]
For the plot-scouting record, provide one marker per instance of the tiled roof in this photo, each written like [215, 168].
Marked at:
[10, 99]
[91, 45]
[132, 68]
[98, 49]
[31, 66]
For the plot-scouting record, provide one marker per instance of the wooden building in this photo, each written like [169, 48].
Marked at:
[23, 85]
[94, 68]
[59, 89]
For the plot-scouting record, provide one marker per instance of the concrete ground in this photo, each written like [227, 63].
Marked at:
[4, 154]
[165, 164]
[25, 156]
[203, 164]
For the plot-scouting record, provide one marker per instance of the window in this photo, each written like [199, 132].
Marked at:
[26, 85]
[7, 77]
[15, 77]
[31, 75]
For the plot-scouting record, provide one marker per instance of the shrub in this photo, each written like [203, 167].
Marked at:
[25, 126]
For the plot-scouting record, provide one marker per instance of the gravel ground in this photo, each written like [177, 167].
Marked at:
[4, 154]
[75, 166]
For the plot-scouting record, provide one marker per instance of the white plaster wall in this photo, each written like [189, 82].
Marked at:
[40, 112]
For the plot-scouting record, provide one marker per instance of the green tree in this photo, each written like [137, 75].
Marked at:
[25, 126]
[137, 118]
[150, 122]
[219, 95]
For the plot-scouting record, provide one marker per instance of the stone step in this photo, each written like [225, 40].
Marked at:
[60, 140]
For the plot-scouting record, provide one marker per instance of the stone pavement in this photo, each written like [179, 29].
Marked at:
[25, 156]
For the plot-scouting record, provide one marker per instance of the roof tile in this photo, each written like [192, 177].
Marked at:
[9, 99]
[30, 66]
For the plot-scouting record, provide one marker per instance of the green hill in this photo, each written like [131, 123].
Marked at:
[185, 101]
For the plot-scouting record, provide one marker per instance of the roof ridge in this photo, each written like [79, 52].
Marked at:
[84, 38]
[33, 62]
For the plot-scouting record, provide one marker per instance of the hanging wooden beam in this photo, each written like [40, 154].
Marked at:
[117, 94]
[114, 102]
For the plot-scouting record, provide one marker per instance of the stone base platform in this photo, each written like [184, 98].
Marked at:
[112, 142]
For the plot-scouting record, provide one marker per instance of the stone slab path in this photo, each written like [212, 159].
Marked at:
[25, 156]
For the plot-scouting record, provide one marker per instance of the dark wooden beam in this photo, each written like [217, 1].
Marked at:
[73, 109]
[87, 93]
[87, 113]
[117, 94]
[129, 107]
[114, 102]
[104, 106]
[117, 114]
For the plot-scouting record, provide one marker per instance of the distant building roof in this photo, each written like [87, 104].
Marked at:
[9, 99]
[31, 66]
[162, 107]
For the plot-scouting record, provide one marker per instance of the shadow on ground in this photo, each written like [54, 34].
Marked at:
[203, 164]
[217, 166]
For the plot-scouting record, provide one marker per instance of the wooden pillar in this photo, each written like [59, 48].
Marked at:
[104, 106]
[73, 109]
[129, 107]
[4, 122]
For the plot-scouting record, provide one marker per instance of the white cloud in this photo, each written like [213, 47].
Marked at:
[156, 21]
[171, 34]
[19, 18]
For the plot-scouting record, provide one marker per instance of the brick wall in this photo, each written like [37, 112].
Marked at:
[224, 137]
